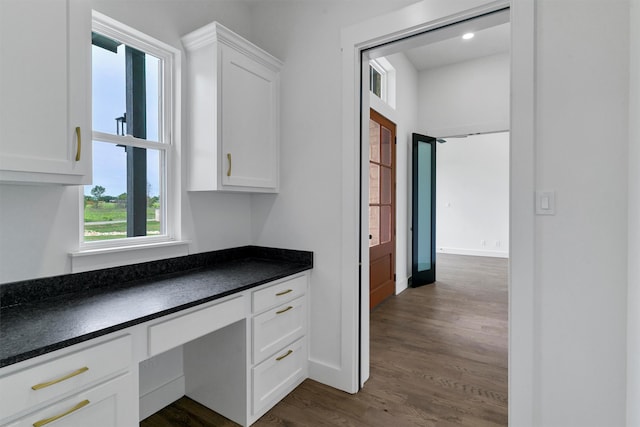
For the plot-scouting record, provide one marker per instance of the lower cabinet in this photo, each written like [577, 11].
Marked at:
[279, 345]
[278, 375]
[111, 404]
[90, 386]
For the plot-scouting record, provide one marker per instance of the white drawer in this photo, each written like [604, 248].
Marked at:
[111, 404]
[179, 330]
[64, 374]
[278, 326]
[278, 375]
[279, 293]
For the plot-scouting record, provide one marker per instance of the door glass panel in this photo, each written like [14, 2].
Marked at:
[385, 224]
[374, 183]
[374, 225]
[374, 142]
[386, 185]
[424, 206]
[385, 146]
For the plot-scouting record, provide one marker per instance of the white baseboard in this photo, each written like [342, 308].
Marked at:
[401, 285]
[158, 398]
[473, 252]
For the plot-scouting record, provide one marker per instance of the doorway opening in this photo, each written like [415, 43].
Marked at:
[443, 58]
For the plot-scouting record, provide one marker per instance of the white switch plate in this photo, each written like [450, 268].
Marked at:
[545, 202]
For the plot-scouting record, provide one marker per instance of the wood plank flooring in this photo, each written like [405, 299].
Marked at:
[438, 358]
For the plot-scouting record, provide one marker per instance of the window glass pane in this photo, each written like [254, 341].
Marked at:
[374, 183]
[385, 224]
[155, 202]
[374, 225]
[374, 141]
[109, 92]
[375, 83]
[152, 71]
[106, 200]
[386, 185]
[385, 146]
[105, 206]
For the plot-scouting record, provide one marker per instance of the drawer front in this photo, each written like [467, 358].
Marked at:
[279, 293]
[111, 404]
[59, 376]
[179, 330]
[278, 375]
[278, 326]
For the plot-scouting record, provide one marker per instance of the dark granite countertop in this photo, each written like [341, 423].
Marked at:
[36, 325]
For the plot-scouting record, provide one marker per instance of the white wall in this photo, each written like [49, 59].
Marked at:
[404, 116]
[633, 299]
[465, 98]
[472, 195]
[581, 252]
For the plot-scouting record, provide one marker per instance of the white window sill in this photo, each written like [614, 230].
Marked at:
[95, 259]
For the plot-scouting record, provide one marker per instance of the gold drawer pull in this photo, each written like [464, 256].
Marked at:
[79, 149]
[64, 414]
[279, 294]
[284, 355]
[66, 377]
[284, 310]
[229, 159]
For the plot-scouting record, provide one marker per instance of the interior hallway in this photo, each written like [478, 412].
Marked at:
[438, 357]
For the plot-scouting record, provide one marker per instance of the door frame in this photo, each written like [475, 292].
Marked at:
[428, 14]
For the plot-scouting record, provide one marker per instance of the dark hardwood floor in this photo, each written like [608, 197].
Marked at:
[438, 358]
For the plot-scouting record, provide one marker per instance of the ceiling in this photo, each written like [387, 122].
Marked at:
[488, 41]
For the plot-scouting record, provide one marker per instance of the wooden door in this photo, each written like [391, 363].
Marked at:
[382, 211]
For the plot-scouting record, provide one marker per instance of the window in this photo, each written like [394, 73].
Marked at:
[377, 79]
[382, 80]
[129, 200]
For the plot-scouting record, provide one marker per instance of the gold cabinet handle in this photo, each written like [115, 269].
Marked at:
[229, 159]
[66, 377]
[279, 294]
[284, 310]
[284, 355]
[64, 414]
[79, 149]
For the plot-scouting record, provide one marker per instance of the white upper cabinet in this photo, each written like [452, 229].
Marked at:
[45, 82]
[233, 113]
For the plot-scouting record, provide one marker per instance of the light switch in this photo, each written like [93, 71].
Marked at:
[545, 202]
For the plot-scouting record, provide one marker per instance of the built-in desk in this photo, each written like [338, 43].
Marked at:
[240, 315]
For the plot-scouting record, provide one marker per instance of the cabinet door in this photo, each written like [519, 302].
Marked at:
[45, 47]
[112, 404]
[249, 122]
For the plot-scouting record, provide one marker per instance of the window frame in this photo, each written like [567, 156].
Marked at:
[168, 130]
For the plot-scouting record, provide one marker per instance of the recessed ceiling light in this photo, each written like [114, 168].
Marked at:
[468, 36]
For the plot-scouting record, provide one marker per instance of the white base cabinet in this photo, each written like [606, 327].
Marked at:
[112, 404]
[45, 107]
[233, 112]
[92, 386]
